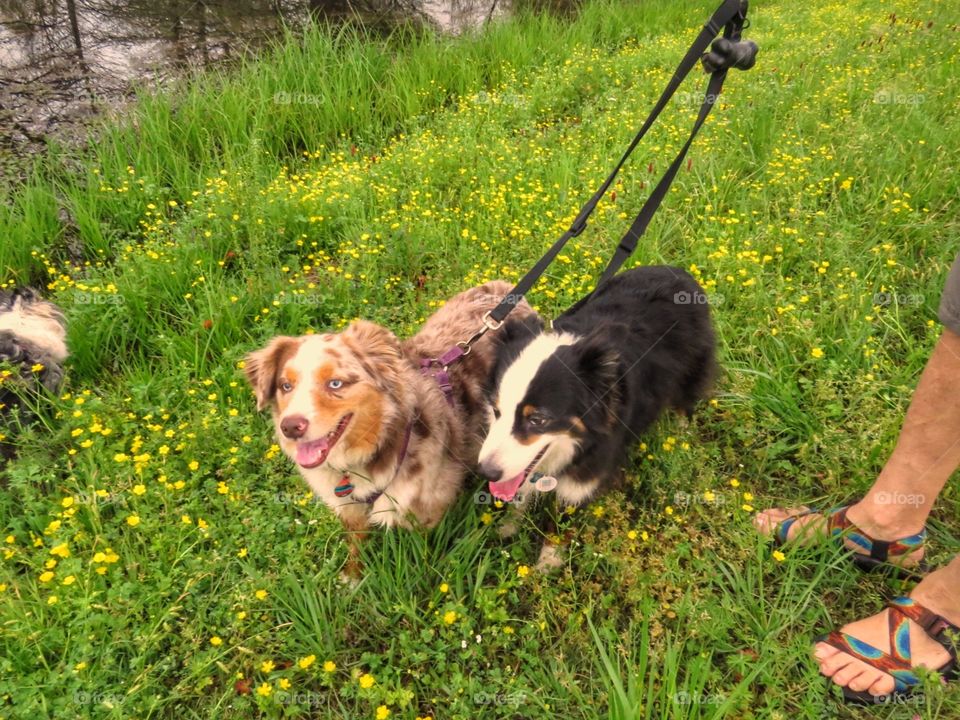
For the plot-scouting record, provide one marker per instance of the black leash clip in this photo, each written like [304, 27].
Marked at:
[730, 51]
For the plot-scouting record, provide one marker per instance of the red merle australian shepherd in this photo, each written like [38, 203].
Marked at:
[376, 438]
[568, 403]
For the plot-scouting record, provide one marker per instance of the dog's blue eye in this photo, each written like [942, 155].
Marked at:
[335, 384]
[286, 387]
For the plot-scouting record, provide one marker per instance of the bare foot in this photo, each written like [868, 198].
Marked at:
[847, 671]
[810, 528]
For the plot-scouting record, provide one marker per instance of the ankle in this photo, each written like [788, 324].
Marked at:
[939, 589]
[937, 600]
[887, 516]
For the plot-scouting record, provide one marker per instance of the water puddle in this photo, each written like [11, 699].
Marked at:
[63, 62]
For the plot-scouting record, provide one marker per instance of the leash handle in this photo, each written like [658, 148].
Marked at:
[726, 52]
[729, 17]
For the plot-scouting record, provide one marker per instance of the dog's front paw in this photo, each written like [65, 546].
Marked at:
[351, 574]
[508, 529]
[348, 581]
[551, 558]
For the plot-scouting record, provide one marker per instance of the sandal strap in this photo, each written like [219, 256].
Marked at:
[838, 524]
[898, 668]
[783, 527]
[897, 662]
[934, 625]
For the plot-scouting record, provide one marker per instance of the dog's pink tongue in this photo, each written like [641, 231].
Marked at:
[506, 489]
[311, 454]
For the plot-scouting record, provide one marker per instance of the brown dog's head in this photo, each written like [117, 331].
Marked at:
[329, 390]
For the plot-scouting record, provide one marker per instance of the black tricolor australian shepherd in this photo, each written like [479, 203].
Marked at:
[569, 403]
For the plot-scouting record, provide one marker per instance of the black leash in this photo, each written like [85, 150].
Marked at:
[727, 52]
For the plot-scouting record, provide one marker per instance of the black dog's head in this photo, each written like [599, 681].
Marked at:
[550, 390]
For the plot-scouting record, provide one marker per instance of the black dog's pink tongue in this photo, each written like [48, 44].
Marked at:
[506, 490]
[311, 454]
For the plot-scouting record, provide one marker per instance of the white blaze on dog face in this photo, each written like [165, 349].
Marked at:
[326, 391]
[527, 434]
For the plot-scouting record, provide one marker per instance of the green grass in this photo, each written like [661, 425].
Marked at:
[216, 217]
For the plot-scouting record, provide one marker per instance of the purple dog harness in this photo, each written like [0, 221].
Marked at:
[431, 367]
[437, 369]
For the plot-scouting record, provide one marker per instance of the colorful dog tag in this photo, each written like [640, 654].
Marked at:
[344, 488]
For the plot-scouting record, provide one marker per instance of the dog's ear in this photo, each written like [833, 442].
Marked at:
[262, 367]
[520, 329]
[512, 337]
[598, 362]
[376, 349]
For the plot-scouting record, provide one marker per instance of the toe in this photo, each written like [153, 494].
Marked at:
[883, 686]
[833, 664]
[767, 520]
[846, 674]
[822, 651]
[864, 680]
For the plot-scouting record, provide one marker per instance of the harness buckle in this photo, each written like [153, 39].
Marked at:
[490, 323]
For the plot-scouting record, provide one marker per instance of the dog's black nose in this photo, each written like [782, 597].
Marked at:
[294, 426]
[489, 471]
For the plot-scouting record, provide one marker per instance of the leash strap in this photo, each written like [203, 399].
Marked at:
[628, 242]
[729, 17]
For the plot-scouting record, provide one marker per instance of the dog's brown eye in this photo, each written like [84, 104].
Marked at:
[536, 420]
[496, 413]
[286, 386]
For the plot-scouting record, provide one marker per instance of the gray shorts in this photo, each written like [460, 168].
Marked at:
[950, 300]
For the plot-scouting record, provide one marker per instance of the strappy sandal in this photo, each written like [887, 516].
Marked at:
[879, 553]
[897, 662]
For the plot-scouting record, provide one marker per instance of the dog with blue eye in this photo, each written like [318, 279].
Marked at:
[383, 435]
[567, 404]
[33, 349]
